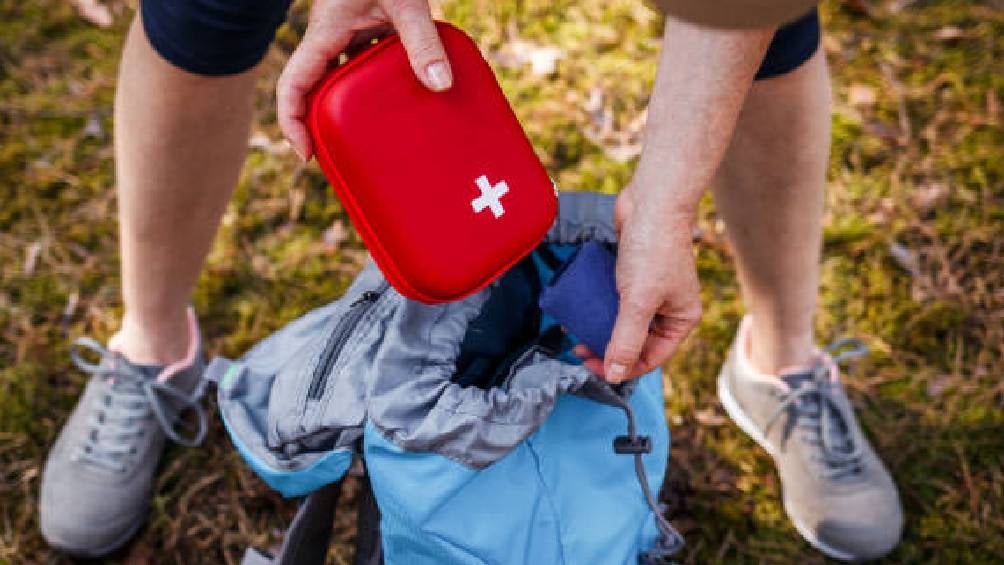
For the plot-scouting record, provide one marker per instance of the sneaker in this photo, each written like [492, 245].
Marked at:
[98, 478]
[836, 491]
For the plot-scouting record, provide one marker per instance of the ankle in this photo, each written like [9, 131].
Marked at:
[161, 342]
[772, 352]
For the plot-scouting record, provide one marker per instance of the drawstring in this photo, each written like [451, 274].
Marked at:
[670, 541]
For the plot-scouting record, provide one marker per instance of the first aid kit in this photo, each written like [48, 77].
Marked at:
[444, 188]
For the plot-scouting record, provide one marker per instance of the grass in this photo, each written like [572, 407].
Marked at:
[913, 264]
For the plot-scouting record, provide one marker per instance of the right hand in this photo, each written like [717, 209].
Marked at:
[657, 281]
[339, 25]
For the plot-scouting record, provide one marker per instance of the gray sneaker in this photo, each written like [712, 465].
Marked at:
[836, 491]
[98, 478]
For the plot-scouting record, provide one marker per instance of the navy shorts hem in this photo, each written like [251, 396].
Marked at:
[211, 37]
[792, 46]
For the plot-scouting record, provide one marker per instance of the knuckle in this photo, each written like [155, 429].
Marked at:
[637, 302]
[693, 314]
[403, 7]
[626, 352]
[428, 49]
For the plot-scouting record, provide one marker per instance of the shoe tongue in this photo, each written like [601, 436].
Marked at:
[839, 435]
[796, 379]
[149, 372]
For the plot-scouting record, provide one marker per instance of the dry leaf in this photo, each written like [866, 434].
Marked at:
[896, 6]
[335, 235]
[31, 257]
[861, 96]
[862, 7]
[993, 106]
[926, 198]
[722, 479]
[94, 11]
[601, 117]
[140, 553]
[883, 131]
[938, 385]
[543, 59]
[624, 152]
[884, 212]
[260, 141]
[71, 305]
[949, 33]
[905, 258]
[709, 417]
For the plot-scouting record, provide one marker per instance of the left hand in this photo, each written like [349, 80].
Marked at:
[339, 25]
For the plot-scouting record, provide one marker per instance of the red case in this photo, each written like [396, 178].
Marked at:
[443, 187]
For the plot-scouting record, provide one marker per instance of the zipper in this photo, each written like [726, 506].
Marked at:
[340, 335]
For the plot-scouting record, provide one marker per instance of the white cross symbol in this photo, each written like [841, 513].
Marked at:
[490, 196]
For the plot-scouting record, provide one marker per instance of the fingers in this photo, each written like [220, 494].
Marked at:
[594, 364]
[589, 359]
[330, 33]
[413, 22]
[666, 333]
[321, 44]
[645, 338]
[362, 39]
[629, 336]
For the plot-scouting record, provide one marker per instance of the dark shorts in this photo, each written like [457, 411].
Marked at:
[225, 37]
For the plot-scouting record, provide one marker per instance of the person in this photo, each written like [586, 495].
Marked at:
[744, 111]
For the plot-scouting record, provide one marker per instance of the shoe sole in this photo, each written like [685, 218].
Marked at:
[746, 424]
[118, 544]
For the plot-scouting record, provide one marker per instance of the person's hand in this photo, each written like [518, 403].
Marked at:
[337, 26]
[659, 291]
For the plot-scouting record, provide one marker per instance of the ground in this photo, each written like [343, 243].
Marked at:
[913, 262]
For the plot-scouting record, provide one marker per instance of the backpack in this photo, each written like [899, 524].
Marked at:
[482, 438]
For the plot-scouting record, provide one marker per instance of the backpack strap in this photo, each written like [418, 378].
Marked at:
[369, 549]
[309, 534]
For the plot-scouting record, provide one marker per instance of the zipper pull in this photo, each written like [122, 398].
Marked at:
[368, 296]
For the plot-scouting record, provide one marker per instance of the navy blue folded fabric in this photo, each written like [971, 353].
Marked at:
[583, 297]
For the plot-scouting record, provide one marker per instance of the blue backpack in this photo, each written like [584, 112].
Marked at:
[483, 440]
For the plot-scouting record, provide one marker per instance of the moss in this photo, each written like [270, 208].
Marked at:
[929, 394]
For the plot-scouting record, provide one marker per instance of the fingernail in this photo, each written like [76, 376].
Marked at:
[438, 74]
[617, 372]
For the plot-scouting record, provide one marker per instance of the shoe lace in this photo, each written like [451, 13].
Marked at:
[130, 397]
[813, 404]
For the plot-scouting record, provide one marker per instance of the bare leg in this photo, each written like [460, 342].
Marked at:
[180, 140]
[769, 189]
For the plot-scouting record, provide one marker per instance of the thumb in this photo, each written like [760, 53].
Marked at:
[630, 332]
[420, 38]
